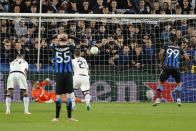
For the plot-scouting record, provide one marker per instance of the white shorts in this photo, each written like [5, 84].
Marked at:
[17, 79]
[81, 82]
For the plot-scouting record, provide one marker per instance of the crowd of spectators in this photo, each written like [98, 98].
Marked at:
[131, 44]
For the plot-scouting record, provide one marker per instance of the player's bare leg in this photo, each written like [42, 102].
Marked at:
[87, 99]
[8, 101]
[179, 90]
[26, 102]
[159, 90]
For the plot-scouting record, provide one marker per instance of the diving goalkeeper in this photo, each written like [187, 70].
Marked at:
[42, 96]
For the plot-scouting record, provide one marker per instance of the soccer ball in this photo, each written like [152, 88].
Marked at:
[150, 94]
[94, 50]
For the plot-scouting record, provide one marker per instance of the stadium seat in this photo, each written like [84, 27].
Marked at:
[32, 68]
[4, 67]
[47, 68]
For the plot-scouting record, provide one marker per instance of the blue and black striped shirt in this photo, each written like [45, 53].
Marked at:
[172, 56]
[63, 58]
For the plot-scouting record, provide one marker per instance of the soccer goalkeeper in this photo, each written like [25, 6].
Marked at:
[42, 96]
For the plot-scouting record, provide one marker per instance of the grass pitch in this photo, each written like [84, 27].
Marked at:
[102, 117]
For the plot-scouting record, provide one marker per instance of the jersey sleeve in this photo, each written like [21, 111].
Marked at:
[43, 83]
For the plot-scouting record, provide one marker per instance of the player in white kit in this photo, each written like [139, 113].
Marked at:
[81, 78]
[17, 77]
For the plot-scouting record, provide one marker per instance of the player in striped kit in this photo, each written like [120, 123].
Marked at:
[170, 63]
[64, 76]
[81, 78]
[17, 77]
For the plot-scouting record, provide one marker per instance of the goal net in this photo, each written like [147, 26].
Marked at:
[126, 69]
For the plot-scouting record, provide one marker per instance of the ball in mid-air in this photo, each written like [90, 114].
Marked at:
[150, 94]
[94, 50]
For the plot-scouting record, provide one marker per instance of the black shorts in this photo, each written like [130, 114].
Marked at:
[166, 72]
[64, 83]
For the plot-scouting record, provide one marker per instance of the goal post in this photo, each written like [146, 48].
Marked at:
[126, 69]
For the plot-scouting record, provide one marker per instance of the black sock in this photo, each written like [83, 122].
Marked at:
[178, 94]
[69, 106]
[158, 93]
[58, 108]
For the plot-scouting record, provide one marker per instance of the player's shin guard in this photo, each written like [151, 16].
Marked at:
[87, 99]
[159, 90]
[58, 107]
[8, 103]
[179, 90]
[69, 105]
[26, 103]
[73, 100]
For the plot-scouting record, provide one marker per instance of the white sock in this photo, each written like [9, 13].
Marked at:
[87, 99]
[26, 104]
[8, 103]
[73, 100]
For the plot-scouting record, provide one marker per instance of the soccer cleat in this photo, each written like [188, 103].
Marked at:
[55, 120]
[7, 113]
[72, 119]
[156, 102]
[27, 113]
[179, 102]
[88, 108]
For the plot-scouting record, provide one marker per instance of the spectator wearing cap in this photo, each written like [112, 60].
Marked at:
[5, 52]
